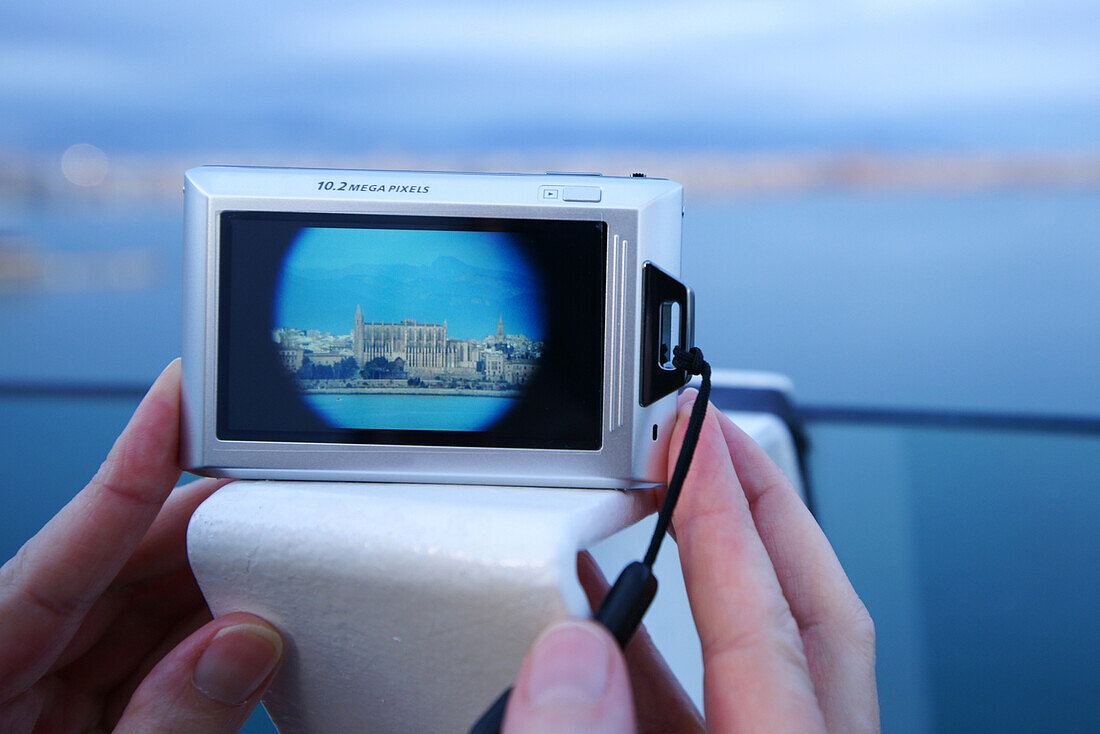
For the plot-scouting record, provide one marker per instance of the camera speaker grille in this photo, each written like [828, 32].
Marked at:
[617, 329]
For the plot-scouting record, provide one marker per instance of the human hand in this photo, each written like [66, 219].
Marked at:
[102, 625]
[787, 644]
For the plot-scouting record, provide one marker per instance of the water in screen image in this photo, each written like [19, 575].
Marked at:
[409, 329]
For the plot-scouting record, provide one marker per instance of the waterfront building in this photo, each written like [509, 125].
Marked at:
[292, 358]
[422, 350]
[494, 364]
[425, 348]
[519, 371]
[326, 359]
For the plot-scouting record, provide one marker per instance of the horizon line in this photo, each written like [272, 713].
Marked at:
[702, 170]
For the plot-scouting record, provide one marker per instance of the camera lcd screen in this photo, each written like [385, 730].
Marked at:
[410, 330]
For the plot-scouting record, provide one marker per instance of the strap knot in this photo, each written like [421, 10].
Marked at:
[689, 360]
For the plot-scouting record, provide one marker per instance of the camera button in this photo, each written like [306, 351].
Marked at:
[550, 193]
[582, 193]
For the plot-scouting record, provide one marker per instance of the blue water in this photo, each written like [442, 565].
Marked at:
[411, 412]
[984, 301]
[975, 552]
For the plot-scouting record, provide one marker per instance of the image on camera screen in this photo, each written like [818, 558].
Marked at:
[409, 329]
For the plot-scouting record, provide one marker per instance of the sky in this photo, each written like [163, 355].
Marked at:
[468, 279]
[348, 77]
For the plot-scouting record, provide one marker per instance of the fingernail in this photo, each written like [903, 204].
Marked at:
[166, 368]
[236, 662]
[570, 665]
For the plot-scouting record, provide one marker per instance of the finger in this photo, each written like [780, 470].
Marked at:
[661, 703]
[162, 553]
[60, 572]
[119, 698]
[50, 705]
[164, 547]
[573, 680]
[687, 397]
[210, 682]
[150, 614]
[755, 673]
[836, 629]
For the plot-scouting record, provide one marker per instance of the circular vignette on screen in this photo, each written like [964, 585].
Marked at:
[409, 329]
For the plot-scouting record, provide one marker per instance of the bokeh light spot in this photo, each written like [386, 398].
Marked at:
[84, 165]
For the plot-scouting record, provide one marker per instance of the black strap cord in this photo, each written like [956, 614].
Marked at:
[626, 603]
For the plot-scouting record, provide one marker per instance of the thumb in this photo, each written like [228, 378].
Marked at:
[210, 682]
[573, 680]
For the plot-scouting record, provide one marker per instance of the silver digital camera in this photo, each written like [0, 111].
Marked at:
[431, 327]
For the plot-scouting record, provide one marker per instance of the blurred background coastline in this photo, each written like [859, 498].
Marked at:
[135, 179]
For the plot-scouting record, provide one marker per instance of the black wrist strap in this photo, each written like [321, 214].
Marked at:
[626, 603]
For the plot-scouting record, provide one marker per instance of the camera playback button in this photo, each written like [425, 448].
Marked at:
[550, 193]
[582, 193]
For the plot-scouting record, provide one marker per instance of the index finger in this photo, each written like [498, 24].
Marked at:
[756, 676]
[47, 588]
[836, 629]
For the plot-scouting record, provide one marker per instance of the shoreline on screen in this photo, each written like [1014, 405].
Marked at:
[409, 390]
